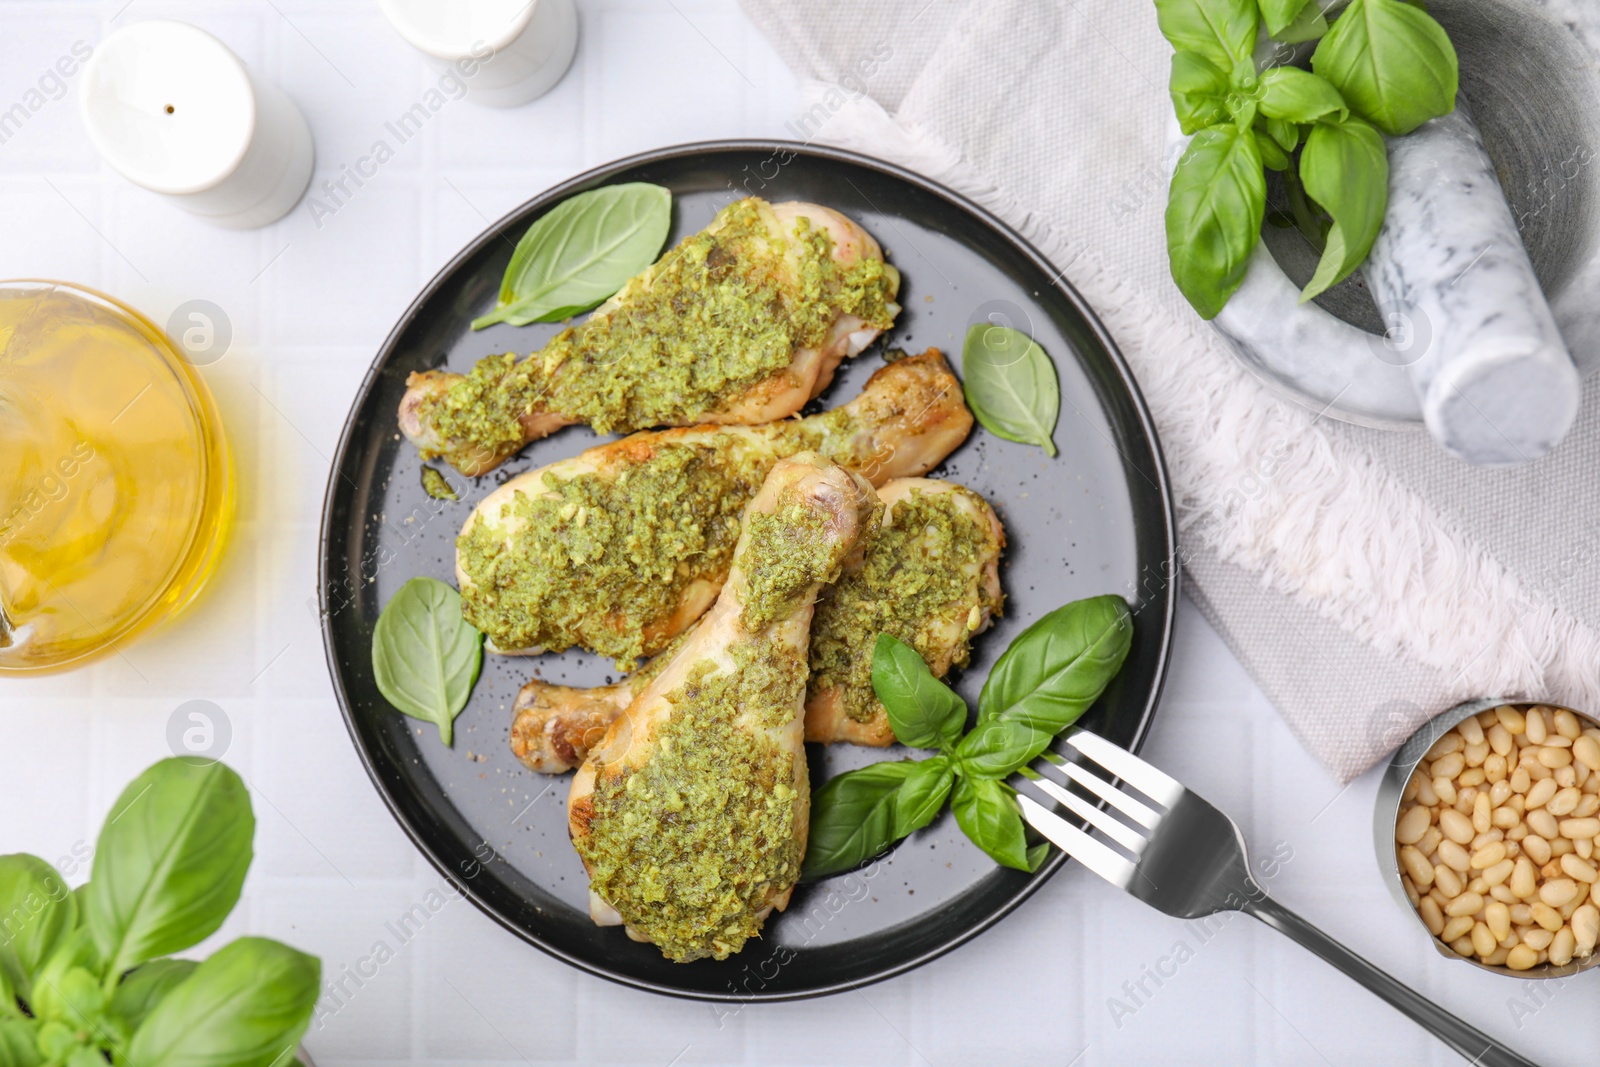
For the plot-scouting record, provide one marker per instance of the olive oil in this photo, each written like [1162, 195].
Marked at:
[116, 488]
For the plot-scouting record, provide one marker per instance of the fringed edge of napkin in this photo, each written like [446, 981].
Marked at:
[1312, 516]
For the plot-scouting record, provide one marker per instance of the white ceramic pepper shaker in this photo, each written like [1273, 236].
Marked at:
[172, 109]
[516, 49]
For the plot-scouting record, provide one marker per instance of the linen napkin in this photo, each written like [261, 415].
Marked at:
[1367, 580]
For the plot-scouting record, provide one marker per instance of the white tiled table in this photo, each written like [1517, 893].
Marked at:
[309, 304]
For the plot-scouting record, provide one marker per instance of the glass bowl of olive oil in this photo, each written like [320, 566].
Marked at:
[117, 494]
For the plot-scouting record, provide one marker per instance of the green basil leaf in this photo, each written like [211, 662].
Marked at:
[72, 996]
[921, 796]
[1010, 385]
[425, 656]
[1286, 134]
[1392, 62]
[1299, 96]
[147, 986]
[37, 912]
[987, 812]
[86, 1056]
[1308, 25]
[1060, 665]
[996, 748]
[852, 817]
[1273, 157]
[171, 859]
[581, 252]
[1214, 210]
[1345, 168]
[1199, 90]
[19, 1043]
[1280, 14]
[1224, 31]
[246, 1006]
[924, 712]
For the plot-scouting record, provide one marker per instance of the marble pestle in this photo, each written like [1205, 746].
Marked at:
[1450, 274]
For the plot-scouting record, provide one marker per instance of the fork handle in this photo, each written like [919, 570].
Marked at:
[1478, 1047]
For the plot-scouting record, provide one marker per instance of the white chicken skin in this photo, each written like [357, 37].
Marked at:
[620, 548]
[739, 324]
[691, 813]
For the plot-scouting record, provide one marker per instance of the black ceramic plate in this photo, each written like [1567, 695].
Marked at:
[1097, 519]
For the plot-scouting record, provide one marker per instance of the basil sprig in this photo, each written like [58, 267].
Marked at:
[1040, 686]
[581, 252]
[86, 977]
[1382, 66]
[425, 656]
[1010, 385]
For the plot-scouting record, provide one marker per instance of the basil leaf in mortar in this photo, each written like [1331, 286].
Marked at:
[581, 252]
[1392, 62]
[1199, 90]
[1345, 169]
[1215, 205]
[923, 711]
[1010, 385]
[1279, 15]
[1299, 96]
[425, 656]
[1224, 31]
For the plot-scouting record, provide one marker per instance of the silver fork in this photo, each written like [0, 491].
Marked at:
[1188, 859]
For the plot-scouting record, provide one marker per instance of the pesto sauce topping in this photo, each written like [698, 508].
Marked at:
[788, 550]
[722, 312]
[688, 846]
[595, 559]
[917, 570]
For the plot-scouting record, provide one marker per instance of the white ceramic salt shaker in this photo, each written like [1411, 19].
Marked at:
[507, 51]
[172, 109]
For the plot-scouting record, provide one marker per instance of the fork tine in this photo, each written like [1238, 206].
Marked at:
[1159, 787]
[1133, 808]
[1120, 832]
[1077, 844]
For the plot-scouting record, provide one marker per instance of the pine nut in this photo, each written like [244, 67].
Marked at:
[1417, 866]
[1554, 757]
[1470, 730]
[1448, 882]
[1519, 780]
[1562, 947]
[1586, 750]
[1456, 927]
[1547, 917]
[1448, 766]
[1445, 789]
[1537, 848]
[1472, 776]
[1540, 821]
[1425, 794]
[1560, 846]
[1589, 827]
[1521, 914]
[1565, 802]
[1462, 946]
[1498, 918]
[1567, 725]
[1541, 793]
[1512, 719]
[1456, 826]
[1555, 892]
[1432, 917]
[1467, 904]
[1524, 882]
[1498, 956]
[1476, 754]
[1496, 875]
[1455, 857]
[1537, 728]
[1521, 958]
[1579, 869]
[1494, 767]
[1483, 942]
[1503, 893]
[1586, 928]
[1414, 823]
[1480, 813]
[1488, 856]
[1430, 841]
[1588, 804]
[1539, 939]
[1450, 742]
[1504, 818]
